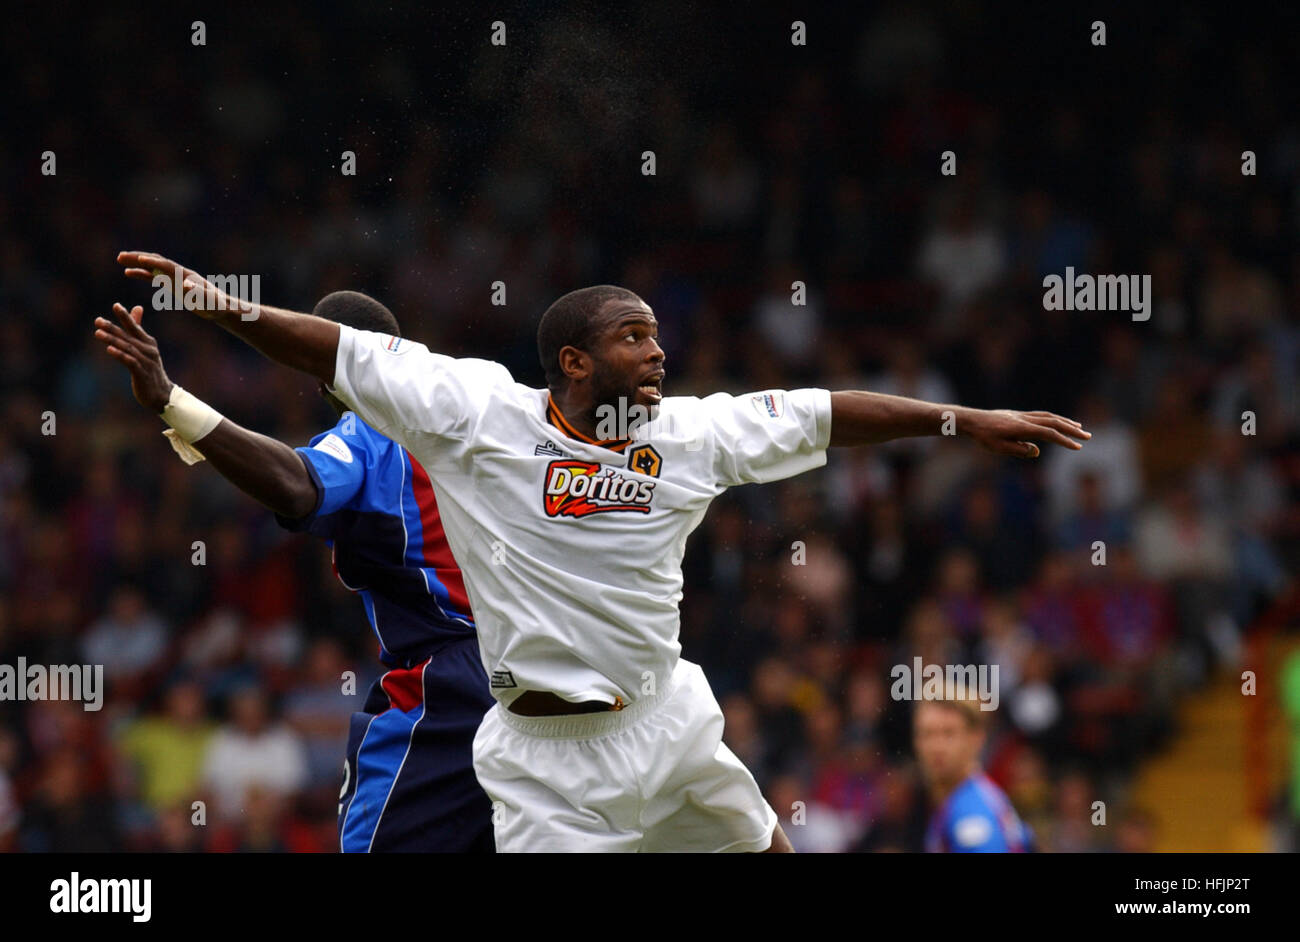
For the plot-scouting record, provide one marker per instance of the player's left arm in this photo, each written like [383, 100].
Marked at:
[866, 418]
[267, 470]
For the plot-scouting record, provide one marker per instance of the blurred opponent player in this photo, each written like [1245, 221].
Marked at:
[569, 515]
[972, 815]
[408, 779]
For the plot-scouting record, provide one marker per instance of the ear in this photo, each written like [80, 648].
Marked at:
[574, 363]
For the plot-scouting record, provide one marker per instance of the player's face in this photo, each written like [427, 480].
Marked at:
[627, 361]
[946, 746]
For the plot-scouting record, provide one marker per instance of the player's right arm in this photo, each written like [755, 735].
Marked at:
[265, 469]
[395, 385]
[301, 341]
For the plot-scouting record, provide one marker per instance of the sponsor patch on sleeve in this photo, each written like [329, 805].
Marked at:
[972, 830]
[331, 444]
[394, 345]
[769, 405]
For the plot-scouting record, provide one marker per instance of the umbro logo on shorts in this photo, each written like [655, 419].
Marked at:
[502, 679]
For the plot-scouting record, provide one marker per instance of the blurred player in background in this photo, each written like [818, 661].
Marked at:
[972, 815]
[569, 512]
[408, 779]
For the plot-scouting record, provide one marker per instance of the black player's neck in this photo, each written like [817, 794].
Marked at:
[577, 411]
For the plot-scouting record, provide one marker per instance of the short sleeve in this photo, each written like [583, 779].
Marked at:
[395, 384]
[766, 436]
[337, 462]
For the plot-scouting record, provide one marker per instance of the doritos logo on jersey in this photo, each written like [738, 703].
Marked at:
[768, 404]
[578, 488]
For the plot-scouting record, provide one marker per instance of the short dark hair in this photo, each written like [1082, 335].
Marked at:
[570, 322]
[357, 310]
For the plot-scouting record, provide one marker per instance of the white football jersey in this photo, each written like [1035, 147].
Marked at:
[571, 550]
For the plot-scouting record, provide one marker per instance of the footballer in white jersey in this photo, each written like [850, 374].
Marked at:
[571, 549]
[570, 543]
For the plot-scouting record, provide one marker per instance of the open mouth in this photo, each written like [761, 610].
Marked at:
[652, 388]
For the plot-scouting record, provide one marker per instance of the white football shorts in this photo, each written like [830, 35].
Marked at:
[654, 776]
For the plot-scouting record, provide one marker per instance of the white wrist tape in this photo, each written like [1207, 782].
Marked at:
[190, 419]
[189, 454]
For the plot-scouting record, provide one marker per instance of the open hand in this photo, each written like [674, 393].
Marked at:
[129, 344]
[147, 266]
[1006, 432]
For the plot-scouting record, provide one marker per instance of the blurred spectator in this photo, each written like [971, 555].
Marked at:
[318, 710]
[1237, 299]
[959, 594]
[962, 255]
[813, 828]
[1091, 522]
[1135, 832]
[1254, 398]
[129, 641]
[791, 330]
[251, 751]
[1174, 437]
[168, 749]
[1111, 458]
[67, 812]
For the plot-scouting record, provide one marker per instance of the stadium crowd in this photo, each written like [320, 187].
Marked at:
[225, 639]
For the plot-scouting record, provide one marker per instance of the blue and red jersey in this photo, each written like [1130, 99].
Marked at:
[377, 511]
[977, 818]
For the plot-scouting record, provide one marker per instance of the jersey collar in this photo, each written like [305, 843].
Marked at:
[556, 418]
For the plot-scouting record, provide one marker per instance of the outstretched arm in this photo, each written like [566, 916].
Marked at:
[300, 341]
[865, 418]
[267, 470]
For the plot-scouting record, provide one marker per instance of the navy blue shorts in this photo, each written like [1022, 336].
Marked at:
[408, 783]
